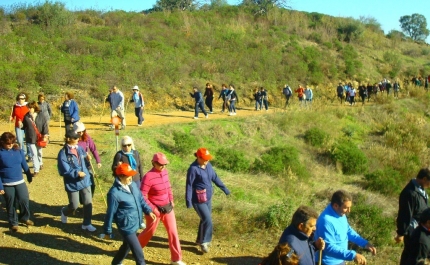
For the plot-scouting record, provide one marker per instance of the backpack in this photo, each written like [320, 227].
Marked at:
[287, 91]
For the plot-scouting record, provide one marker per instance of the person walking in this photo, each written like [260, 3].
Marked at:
[419, 245]
[117, 105]
[88, 145]
[264, 98]
[125, 207]
[45, 109]
[198, 98]
[72, 167]
[18, 112]
[223, 95]
[12, 184]
[70, 110]
[333, 227]
[309, 95]
[300, 94]
[137, 98]
[129, 155]
[257, 97]
[340, 92]
[157, 192]
[413, 200]
[232, 97]
[209, 94]
[299, 235]
[287, 93]
[362, 92]
[198, 194]
[32, 132]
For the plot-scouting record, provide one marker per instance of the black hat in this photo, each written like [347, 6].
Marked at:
[72, 134]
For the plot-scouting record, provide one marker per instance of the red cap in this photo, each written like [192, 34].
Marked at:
[203, 153]
[124, 170]
[160, 158]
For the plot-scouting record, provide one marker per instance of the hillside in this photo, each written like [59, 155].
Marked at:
[50, 49]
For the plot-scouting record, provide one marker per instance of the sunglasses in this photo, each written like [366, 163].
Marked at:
[160, 165]
[126, 145]
[21, 98]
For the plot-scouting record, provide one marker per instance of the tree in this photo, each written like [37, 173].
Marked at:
[415, 26]
[171, 5]
[261, 7]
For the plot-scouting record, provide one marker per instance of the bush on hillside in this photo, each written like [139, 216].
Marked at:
[371, 223]
[352, 159]
[185, 143]
[278, 160]
[387, 181]
[231, 159]
[316, 137]
[279, 215]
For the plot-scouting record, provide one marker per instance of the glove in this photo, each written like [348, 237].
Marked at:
[29, 177]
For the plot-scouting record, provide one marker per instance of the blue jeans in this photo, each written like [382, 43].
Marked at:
[196, 109]
[266, 104]
[204, 210]
[257, 104]
[232, 108]
[130, 242]
[17, 193]
[20, 139]
[138, 112]
[74, 204]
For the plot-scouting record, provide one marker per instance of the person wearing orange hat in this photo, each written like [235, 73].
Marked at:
[198, 194]
[157, 191]
[125, 206]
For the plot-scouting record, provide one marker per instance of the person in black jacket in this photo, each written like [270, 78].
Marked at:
[209, 94]
[413, 201]
[299, 235]
[223, 95]
[199, 103]
[129, 155]
[419, 247]
[340, 91]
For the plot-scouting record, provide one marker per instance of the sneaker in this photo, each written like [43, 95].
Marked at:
[210, 112]
[139, 125]
[196, 118]
[204, 247]
[178, 263]
[63, 217]
[230, 114]
[234, 113]
[14, 228]
[89, 228]
[28, 222]
[122, 127]
[207, 116]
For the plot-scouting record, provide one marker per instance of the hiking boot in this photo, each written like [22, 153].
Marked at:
[89, 227]
[63, 217]
[204, 247]
[28, 222]
[13, 228]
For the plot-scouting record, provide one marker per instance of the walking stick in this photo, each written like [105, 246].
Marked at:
[319, 261]
[103, 111]
[98, 183]
[10, 120]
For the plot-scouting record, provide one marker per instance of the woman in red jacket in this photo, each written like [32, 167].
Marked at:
[18, 112]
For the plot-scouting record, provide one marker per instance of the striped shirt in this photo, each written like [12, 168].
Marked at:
[156, 189]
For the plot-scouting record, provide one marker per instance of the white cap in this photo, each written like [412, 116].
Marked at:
[78, 127]
[135, 88]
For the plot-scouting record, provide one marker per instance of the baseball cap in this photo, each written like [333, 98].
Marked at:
[125, 169]
[72, 135]
[160, 158]
[203, 153]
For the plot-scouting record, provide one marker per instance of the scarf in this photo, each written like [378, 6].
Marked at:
[131, 159]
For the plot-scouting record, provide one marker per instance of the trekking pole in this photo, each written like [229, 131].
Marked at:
[320, 258]
[60, 123]
[103, 111]
[10, 120]
[98, 183]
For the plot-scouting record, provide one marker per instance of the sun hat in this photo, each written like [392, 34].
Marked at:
[135, 88]
[160, 158]
[78, 127]
[203, 153]
[125, 170]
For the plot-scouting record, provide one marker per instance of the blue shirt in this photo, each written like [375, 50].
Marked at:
[336, 232]
[116, 100]
[12, 162]
[300, 243]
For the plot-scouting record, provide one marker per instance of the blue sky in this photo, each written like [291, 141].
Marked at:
[387, 12]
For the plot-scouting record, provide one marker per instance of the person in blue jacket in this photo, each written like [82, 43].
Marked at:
[198, 98]
[72, 167]
[199, 192]
[299, 235]
[70, 110]
[125, 206]
[333, 227]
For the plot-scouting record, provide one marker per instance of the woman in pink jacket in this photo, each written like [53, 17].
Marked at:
[157, 191]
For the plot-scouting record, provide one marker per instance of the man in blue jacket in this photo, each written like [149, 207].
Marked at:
[299, 235]
[333, 227]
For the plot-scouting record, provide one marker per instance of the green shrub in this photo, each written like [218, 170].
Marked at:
[231, 159]
[278, 160]
[279, 215]
[316, 137]
[387, 181]
[185, 143]
[352, 159]
[365, 217]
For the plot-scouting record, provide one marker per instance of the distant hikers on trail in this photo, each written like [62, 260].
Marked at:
[137, 99]
[198, 99]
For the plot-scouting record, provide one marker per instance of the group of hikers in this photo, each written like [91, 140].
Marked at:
[309, 239]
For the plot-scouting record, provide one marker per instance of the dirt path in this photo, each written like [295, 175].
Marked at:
[52, 242]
